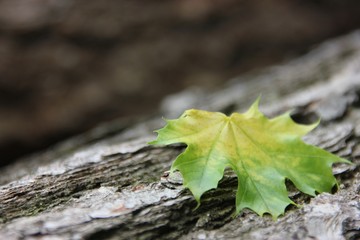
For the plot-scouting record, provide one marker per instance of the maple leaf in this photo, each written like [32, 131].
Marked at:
[262, 152]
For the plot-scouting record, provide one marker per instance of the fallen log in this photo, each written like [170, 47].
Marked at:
[110, 184]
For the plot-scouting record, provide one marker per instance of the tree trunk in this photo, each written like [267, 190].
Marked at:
[109, 184]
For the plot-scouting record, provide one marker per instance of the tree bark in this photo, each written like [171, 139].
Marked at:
[110, 184]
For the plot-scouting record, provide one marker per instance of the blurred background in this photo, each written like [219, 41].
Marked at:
[68, 65]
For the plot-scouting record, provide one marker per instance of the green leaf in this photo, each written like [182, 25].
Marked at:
[262, 152]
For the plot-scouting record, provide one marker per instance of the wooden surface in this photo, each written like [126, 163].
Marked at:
[109, 184]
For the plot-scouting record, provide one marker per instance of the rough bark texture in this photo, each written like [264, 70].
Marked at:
[109, 184]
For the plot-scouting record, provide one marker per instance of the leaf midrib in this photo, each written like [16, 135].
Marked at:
[225, 123]
[242, 162]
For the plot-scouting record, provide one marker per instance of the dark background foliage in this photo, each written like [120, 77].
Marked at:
[67, 65]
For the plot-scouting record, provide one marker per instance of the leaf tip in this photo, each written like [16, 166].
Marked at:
[343, 160]
[255, 105]
[254, 108]
[258, 98]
